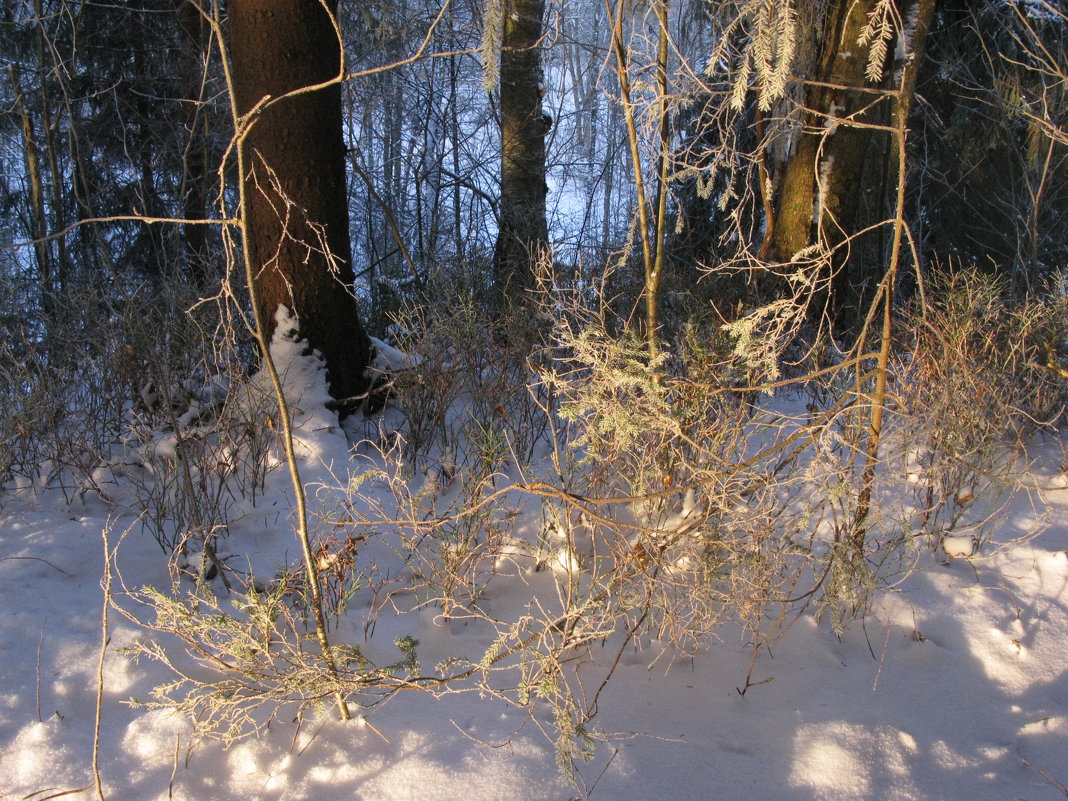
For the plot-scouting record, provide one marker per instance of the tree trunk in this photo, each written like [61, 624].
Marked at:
[152, 241]
[37, 207]
[454, 142]
[825, 181]
[523, 233]
[298, 218]
[195, 171]
[51, 127]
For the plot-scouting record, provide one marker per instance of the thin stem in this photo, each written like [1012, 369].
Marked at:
[105, 583]
[622, 72]
[653, 275]
[924, 11]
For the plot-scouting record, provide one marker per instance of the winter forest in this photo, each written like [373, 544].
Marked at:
[533, 399]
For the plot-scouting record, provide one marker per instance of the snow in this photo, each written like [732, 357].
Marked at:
[958, 546]
[954, 685]
[388, 359]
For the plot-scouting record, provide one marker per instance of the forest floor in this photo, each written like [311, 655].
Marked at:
[953, 685]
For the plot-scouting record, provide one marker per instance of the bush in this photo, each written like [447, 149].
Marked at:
[677, 494]
[973, 383]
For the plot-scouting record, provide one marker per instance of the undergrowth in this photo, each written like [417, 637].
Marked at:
[641, 504]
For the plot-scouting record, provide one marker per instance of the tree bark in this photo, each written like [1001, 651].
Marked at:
[37, 207]
[195, 169]
[298, 218]
[523, 233]
[825, 182]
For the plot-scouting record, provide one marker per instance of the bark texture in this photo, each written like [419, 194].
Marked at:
[298, 218]
[833, 184]
[523, 231]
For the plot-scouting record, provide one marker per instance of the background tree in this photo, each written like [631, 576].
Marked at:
[523, 231]
[999, 184]
[124, 105]
[287, 60]
[194, 55]
[835, 182]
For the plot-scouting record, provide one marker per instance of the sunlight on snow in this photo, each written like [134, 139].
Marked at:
[947, 757]
[424, 768]
[847, 760]
[250, 769]
[36, 758]
[1009, 644]
[152, 735]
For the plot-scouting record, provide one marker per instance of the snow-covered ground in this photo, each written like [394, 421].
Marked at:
[954, 686]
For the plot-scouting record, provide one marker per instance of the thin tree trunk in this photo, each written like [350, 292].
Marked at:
[50, 127]
[149, 203]
[454, 140]
[37, 210]
[195, 158]
[523, 233]
[609, 179]
[654, 275]
[919, 15]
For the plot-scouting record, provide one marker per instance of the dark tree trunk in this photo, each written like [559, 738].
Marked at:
[195, 170]
[151, 246]
[523, 232]
[298, 218]
[51, 129]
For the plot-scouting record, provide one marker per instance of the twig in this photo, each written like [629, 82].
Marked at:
[882, 655]
[60, 794]
[40, 640]
[105, 583]
[589, 791]
[144, 219]
[174, 766]
[39, 559]
[363, 719]
[311, 739]
[487, 743]
[1052, 781]
[749, 675]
